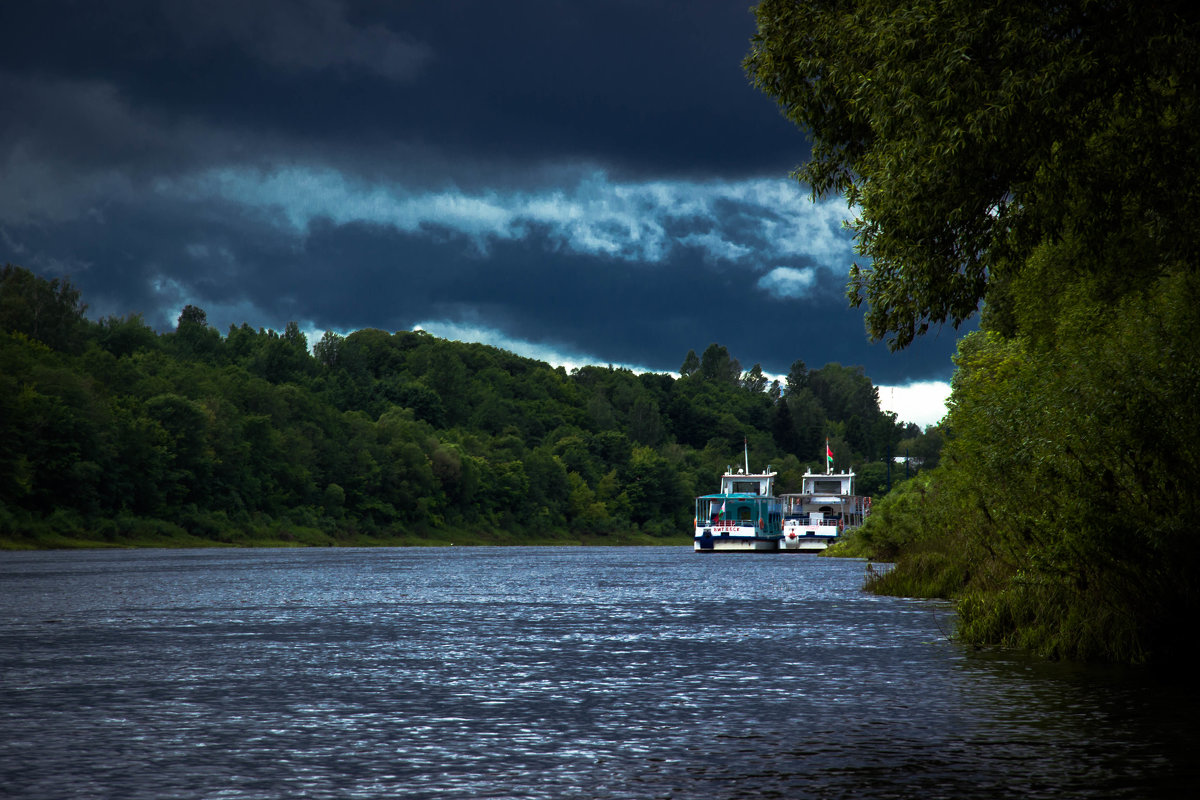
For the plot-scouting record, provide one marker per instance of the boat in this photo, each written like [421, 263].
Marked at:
[824, 510]
[744, 517]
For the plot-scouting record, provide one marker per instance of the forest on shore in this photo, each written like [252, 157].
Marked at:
[114, 434]
[1037, 163]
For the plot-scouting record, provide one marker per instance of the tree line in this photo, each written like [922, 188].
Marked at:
[1036, 163]
[111, 432]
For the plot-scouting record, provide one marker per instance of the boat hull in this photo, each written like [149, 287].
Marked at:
[799, 541]
[708, 541]
[737, 546]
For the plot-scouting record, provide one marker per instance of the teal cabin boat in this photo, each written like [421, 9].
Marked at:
[744, 517]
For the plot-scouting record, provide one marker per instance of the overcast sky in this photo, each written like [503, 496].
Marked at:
[581, 181]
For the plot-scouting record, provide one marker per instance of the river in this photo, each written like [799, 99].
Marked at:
[462, 672]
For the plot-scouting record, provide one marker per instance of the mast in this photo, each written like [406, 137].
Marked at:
[746, 445]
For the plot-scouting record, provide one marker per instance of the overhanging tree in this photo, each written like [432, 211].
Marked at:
[1041, 160]
[966, 134]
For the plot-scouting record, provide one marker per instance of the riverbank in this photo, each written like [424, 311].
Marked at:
[146, 533]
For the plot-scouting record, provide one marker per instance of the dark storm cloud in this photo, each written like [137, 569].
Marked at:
[589, 179]
[642, 85]
[296, 36]
[632, 230]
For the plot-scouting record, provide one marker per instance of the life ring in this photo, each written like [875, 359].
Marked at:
[760, 524]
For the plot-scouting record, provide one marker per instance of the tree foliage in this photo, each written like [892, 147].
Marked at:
[117, 430]
[48, 311]
[969, 133]
[1040, 159]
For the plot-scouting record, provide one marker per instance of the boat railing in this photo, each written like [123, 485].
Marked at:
[793, 504]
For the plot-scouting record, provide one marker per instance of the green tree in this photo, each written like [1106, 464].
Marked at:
[810, 423]
[124, 336]
[425, 403]
[690, 364]
[845, 392]
[1041, 159]
[193, 337]
[645, 422]
[968, 133]
[283, 358]
[46, 310]
[797, 378]
[328, 351]
[717, 366]
[652, 486]
[548, 487]
[754, 380]
[184, 426]
[783, 428]
[131, 436]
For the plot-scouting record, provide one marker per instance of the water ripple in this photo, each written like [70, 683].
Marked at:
[538, 673]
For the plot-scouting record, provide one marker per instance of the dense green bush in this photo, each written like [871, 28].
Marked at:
[1036, 161]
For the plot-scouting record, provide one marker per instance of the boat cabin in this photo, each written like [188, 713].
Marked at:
[841, 483]
[744, 516]
[825, 507]
[745, 499]
[761, 484]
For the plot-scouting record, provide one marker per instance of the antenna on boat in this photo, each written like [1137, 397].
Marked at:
[746, 445]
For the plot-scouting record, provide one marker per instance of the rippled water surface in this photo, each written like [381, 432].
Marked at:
[540, 672]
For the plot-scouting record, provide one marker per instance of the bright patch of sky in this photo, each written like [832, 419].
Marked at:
[922, 402]
[787, 282]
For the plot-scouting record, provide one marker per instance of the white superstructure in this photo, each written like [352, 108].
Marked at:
[825, 507]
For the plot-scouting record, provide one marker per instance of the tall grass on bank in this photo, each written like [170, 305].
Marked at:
[1064, 517]
[904, 528]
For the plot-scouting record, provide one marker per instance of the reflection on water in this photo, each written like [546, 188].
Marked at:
[539, 672]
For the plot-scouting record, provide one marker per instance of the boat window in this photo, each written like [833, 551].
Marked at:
[744, 514]
[745, 487]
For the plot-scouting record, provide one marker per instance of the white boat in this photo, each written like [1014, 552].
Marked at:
[824, 509]
[744, 517]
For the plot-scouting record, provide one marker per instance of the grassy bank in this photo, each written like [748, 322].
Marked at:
[63, 530]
